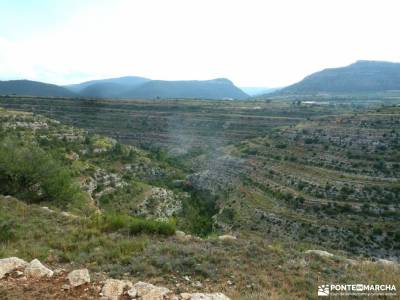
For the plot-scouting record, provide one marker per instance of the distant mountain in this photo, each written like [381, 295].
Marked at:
[361, 76]
[33, 88]
[220, 88]
[103, 90]
[257, 90]
[130, 87]
[107, 88]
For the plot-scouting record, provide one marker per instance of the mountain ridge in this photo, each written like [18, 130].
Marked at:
[361, 76]
[219, 88]
[33, 88]
[128, 87]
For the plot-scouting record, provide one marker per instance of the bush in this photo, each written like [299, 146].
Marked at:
[7, 230]
[198, 211]
[133, 225]
[29, 173]
[281, 146]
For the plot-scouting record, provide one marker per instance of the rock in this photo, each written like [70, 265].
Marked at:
[65, 287]
[160, 204]
[321, 253]
[68, 215]
[132, 292]
[10, 264]
[72, 156]
[197, 284]
[186, 296]
[386, 262]
[46, 209]
[114, 288]
[180, 234]
[35, 269]
[59, 271]
[351, 261]
[78, 277]
[201, 296]
[148, 291]
[227, 237]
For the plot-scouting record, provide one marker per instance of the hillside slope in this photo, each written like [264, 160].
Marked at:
[243, 269]
[359, 77]
[33, 88]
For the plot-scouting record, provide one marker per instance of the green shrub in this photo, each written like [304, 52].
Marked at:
[29, 173]
[7, 230]
[133, 225]
[198, 211]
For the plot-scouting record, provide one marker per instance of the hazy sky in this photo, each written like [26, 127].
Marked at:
[268, 43]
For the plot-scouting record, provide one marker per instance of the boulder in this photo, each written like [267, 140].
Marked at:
[387, 262]
[201, 296]
[68, 215]
[46, 209]
[227, 237]
[132, 292]
[320, 253]
[148, 291]
[180, 235]
[78, 277]
[10, 264]
[114, 288]
[35, 269]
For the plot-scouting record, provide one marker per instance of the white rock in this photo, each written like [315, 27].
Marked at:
[186, 296]
[68, 215]
[35, 269]
[78, 277]
[227, 237]
[59, 271]
[46, 209]
[197, 284]
[148, 291]
[114, 288]
[180, 234]
[201, 296]
[10, 264]
[386, 262]
[320, 253]
[132, 292]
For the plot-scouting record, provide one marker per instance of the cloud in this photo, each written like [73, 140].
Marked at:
[252, 42]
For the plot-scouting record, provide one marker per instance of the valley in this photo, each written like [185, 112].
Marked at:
[280, 177]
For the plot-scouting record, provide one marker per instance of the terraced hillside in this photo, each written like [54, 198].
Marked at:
[177, 125]
[293, 178]
[333, 180]
[35, 150]
[312, 172]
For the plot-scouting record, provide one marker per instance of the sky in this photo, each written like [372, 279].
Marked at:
[252, 42]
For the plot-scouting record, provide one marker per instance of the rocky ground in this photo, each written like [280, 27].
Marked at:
[35, 281]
